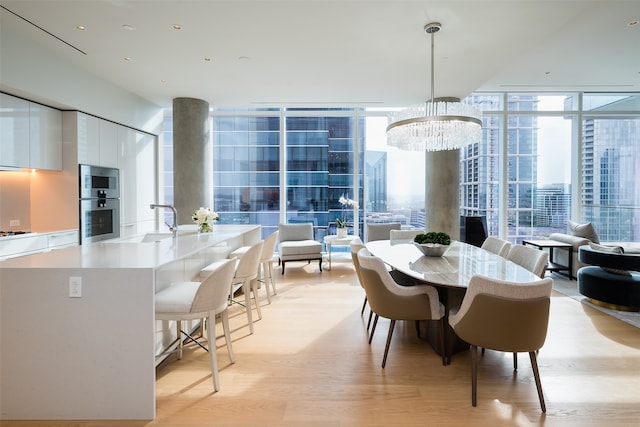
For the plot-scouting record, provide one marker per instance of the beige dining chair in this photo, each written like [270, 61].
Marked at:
[504, 316]
[200, 300]
[532, 259]
[394, 302]
[380, 231]
[497, 246]
[355, 247]
[403, 236]
[245, 278]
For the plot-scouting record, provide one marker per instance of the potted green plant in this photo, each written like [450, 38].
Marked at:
[341, 226]
[432, 243]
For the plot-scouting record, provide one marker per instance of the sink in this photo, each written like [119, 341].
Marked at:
[144, 238]
[155, 237]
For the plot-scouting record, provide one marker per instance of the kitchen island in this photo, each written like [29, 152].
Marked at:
[77, 325]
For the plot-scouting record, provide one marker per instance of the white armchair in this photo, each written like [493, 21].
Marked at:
[297, 244]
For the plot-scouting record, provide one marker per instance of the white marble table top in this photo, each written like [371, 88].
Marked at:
[454, 269]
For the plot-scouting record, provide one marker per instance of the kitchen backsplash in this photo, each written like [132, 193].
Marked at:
[15, 200]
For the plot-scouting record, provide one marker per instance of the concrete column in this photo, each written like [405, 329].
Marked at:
[442, 192]
[192, 157]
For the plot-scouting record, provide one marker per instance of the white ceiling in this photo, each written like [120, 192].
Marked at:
[312, 52]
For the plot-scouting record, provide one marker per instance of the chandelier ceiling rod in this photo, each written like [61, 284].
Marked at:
[437, 124]
[432, 29]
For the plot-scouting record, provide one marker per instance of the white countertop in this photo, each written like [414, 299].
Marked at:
[129, 252]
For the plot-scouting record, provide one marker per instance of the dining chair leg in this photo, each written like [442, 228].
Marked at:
[515, 361]
[273, 283]
[364, 305]
[474, 373]
[224, 317]
[373, 328]
[370, 317]
[180, 343]
[386, 347]
[254, 291]
[211, 339]
[262, 273]
[246, 288]
[536, 375]
[418, 328]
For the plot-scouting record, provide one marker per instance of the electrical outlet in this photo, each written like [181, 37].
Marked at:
[75, 287]
[14, 223]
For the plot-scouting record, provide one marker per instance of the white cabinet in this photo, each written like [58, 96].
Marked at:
[137, 164]
[62, 239]
[97, 141]
[45, 137]
[25, 244]
[14, 131]
[33, 243]
[88, 132]
[31, 134]
[108, 142]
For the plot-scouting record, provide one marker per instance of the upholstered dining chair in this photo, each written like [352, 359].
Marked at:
[532, 259]
[403, 236]
[497, 246]
[394, 302]
[380, 231]
[504, 316]
[265, 274]
[355, 247]
[200, 300]
[245, 277]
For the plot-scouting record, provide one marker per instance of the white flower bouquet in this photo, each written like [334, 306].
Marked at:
[205, 218]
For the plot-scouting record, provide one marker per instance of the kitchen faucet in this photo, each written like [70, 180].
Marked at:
[174, 227]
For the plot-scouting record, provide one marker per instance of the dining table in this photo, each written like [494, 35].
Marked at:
[450, 275]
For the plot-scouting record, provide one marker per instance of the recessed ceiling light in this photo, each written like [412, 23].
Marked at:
[207, 59]
[632, 23]
[81, 27]
[163, 81]
[547, 72]
[243, 58]
[128, 27]
[127, 58]
[176, 27]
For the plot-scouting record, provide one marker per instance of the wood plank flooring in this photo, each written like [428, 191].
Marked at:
[309, 364]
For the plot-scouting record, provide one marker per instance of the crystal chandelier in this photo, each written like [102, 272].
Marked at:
[437, 125]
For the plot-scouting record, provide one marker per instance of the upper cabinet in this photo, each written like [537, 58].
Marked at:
[14, 131]
[31, 134]
[45, 124]
[97, 141]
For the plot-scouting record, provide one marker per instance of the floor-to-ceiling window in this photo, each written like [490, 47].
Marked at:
[521, 170]
[542, 160]
[611, 165]
[246, 170]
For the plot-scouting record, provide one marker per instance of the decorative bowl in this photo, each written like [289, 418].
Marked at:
[432, 249]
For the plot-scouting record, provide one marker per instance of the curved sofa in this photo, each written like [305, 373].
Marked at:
[604, 287]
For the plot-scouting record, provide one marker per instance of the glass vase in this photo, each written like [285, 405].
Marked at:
[205, 227]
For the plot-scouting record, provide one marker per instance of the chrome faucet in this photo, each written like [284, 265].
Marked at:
[174, 227]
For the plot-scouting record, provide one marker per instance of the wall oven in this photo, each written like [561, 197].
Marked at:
[99, 203]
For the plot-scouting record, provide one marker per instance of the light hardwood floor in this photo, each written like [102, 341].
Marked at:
[308, 364]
